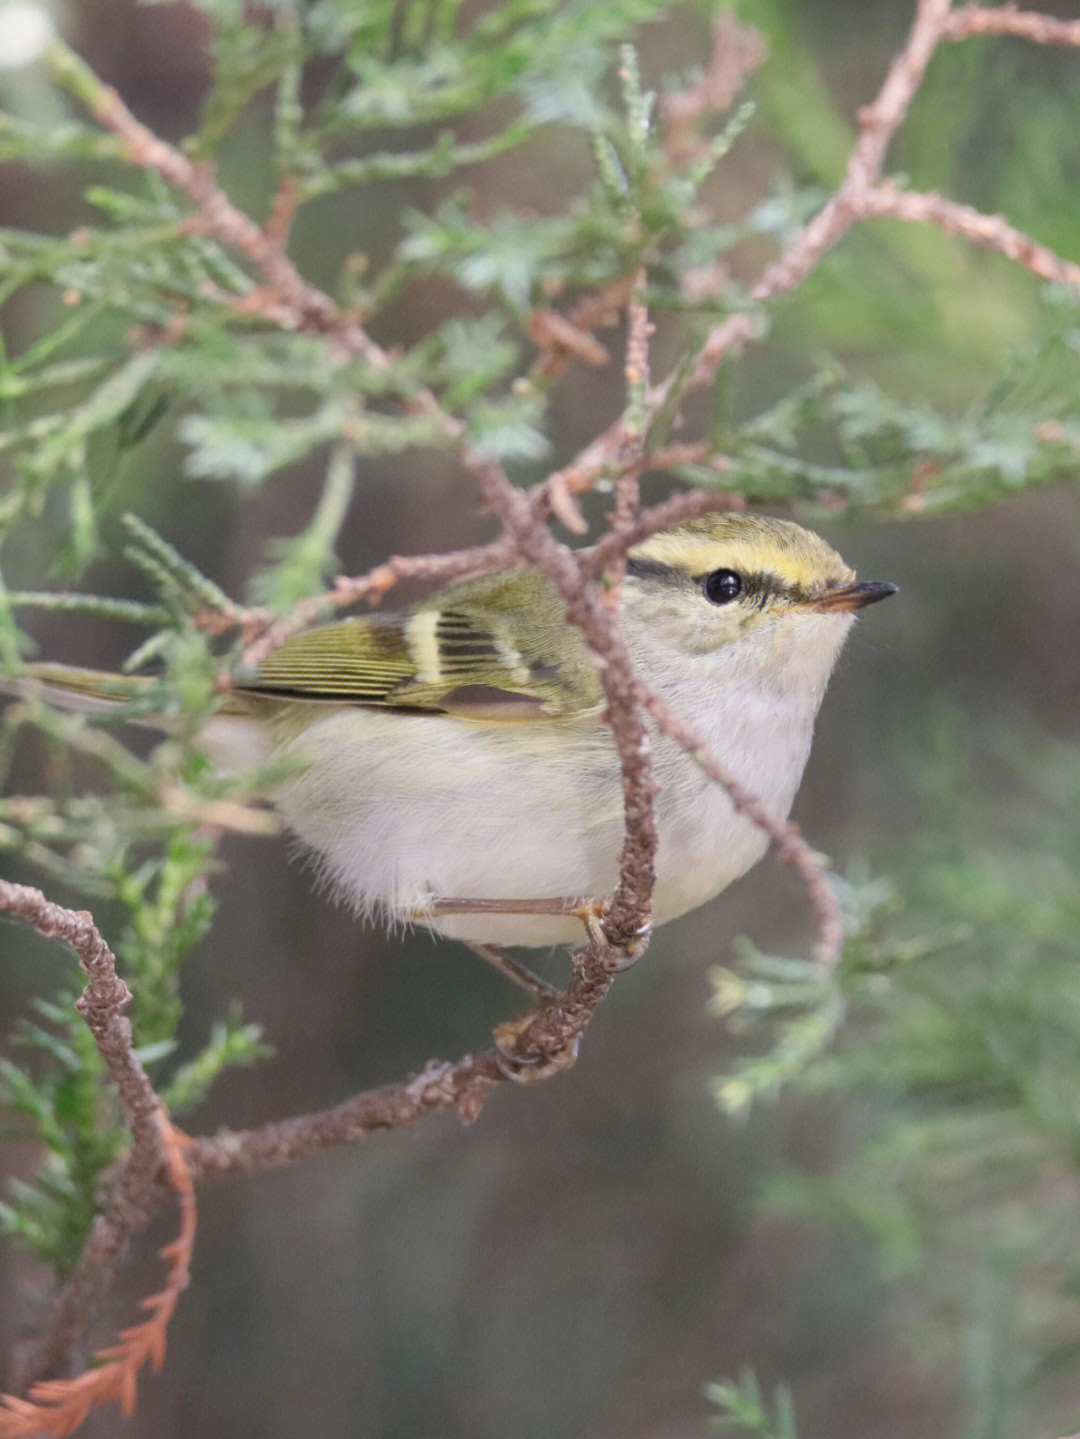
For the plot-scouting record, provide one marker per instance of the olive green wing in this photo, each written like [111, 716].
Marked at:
[358, 661]
[461, 657]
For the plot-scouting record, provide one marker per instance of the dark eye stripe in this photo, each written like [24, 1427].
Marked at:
[653, 570]
[760, 588]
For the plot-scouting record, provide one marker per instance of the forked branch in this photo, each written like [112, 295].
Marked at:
[58, 1406]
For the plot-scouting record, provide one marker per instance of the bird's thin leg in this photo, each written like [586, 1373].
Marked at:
[576, 908]
[514, 1063]
[587, 910]
[537, 987]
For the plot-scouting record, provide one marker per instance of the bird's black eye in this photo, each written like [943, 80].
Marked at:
[723, 586]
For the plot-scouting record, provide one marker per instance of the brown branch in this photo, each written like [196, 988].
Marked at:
[628, 912]
[556, 494]
[971, 20]
[544, 1041]
[631, 452]
[636, 367]
[219, 814]
[737, 50]
[878, 122]
[72, 1309]
[215, 214]
[790, 845]
[559, 341]
[58, 1406]
[988, 232]
[102, 1005]
[282, 213]
[859, 192]
[464, 1086]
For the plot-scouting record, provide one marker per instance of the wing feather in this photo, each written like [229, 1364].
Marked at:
[358, 661]
[434, 661]
[491, 649]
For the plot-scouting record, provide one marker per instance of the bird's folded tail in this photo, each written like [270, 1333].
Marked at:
[233, 737]
[75, 688]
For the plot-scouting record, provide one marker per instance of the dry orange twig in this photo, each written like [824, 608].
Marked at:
[58, 1406]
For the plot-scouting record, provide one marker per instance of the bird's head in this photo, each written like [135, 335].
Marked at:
[748, 580]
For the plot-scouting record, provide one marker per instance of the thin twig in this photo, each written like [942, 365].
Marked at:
[219, 814]
[102, 1005]
[56, 1407]
[214, 212]
[464, 1086]
[988, 232]
[542, 1036]
[628, 912]
[971, 20]
[675, 510]
[878, 122]
[631, 451]
[790, 845]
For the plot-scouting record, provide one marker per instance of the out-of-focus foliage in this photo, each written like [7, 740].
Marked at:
[743, 1408]
[59, 1100]
[878, 450]
[960, 986]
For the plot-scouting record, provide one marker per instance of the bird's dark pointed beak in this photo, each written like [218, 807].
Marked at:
[846, 599]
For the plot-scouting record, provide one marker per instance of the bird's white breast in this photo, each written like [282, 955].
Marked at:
[757, 718]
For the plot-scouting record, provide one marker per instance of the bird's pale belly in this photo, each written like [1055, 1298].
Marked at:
[396, 824]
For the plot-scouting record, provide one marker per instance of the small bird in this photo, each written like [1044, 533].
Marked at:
[450, 765]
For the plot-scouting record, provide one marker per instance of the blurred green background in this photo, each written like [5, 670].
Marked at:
[896, 1238]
